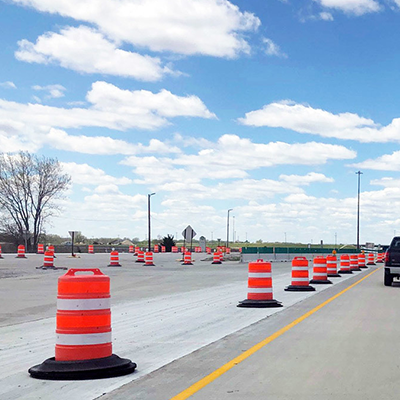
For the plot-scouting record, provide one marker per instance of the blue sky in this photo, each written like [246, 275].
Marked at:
[266, 107]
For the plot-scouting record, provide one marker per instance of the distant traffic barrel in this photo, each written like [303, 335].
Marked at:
[371, 259]
[114, 259]
[320, 273]
[361, 261]
[148, 259]
[140, 257]
[331, 266]
[345, 264]
[300, 278]
[259, 294]
[187, 258]
[354, 262]
[21, 251]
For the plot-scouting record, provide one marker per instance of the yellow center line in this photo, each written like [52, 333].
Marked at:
[191, 390]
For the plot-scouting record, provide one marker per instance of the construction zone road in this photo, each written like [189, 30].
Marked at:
[182, 327]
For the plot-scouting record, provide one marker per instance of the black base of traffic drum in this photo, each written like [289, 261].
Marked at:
[298, 288]
[324, 282]
[106, 367]
[259, 303]
[334, 276]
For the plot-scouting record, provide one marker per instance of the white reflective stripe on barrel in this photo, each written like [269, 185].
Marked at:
[259, 274]
[86, 339]
[260, 290]
[84, 304]
[300, 280]
[319, 274]
[300, 268]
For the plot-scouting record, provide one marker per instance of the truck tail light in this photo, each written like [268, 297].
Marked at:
[386, 257]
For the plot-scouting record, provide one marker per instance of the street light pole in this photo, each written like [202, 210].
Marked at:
[148, 216]
[227, 229]
[358, 210]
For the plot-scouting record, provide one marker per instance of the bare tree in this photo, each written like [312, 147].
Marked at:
[28, 187]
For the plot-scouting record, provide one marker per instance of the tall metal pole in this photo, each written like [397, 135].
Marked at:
[148, 216]
[227, 229]
[358, 210]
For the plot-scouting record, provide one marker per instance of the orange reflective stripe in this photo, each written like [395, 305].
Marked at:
[83, 319]
[98, 286]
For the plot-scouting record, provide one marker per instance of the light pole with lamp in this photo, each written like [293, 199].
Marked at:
[358, 210]
[227, 229]
[148, 215]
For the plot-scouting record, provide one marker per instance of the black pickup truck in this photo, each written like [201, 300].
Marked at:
[392, 262]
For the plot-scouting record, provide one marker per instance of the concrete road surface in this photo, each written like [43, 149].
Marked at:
[181, 323]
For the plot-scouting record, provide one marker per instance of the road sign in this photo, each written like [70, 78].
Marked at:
[73, 233]
[188, 233]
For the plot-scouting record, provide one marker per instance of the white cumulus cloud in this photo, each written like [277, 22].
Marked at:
[356, 7]
[305, 119]
[86, 50]
[272, 49]
[209, 27]
[8, 85]
[54, 91]
[84, 174]
[387, 162]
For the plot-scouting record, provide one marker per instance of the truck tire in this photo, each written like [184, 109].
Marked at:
[387, 278]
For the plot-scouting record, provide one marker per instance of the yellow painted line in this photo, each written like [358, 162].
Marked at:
[191, 390]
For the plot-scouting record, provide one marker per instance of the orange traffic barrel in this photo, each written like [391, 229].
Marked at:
[345, 264]
[40, 249]
[300, 279]
[0, 253]
[380, 257]
[148, 258]
[187, 258]
[331, 266]
[354, 262]
[114, 259]
[208, 250]
[83, 331]
[162, 249]
[259, 293]
[174, 249]
[371, 259]
[137, 249]
[48, 260]
[156, 249]
[361, 261]
[91, 249]
[131, 250]
[216, 259]
[140, 257]
[320, 273]
[21, 251]
[228, 250]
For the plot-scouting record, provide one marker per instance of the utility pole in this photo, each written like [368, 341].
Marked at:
[227, 229]
[148, 216]
[359, 173]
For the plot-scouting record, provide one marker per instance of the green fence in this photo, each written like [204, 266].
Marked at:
[295, 250]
